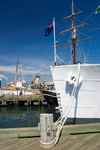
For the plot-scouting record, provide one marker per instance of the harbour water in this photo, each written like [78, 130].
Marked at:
[24, 116]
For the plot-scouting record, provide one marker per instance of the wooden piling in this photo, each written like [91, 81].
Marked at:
[16, 100]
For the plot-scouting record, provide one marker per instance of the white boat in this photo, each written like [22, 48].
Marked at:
[77, 86]
[16, 87]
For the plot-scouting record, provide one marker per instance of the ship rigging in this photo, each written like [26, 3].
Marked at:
[73, 37]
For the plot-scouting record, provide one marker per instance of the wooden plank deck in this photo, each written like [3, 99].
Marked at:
[69, 142]
[73, 137]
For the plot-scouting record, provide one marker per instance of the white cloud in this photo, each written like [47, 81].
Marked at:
[9, 69]
[29, 67]
[26, 70]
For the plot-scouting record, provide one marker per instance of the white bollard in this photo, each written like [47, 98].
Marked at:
[46, 128]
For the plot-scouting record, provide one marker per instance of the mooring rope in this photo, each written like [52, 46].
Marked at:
[62, 119]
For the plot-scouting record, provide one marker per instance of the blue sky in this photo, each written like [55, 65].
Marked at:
[22, 34]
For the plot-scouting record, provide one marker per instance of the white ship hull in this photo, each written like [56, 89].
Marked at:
[86, 103]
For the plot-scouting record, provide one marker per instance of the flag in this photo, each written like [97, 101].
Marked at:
[49, 30]
[97, 10]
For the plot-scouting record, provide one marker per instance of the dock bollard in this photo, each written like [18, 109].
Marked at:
[46, 127]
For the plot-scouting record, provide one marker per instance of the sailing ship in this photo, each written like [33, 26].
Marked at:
[77, 85]
[17, 87]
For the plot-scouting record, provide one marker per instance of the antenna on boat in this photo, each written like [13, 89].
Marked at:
[54, 41]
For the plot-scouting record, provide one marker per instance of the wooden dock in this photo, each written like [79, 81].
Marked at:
[23, 100]
[73, 137]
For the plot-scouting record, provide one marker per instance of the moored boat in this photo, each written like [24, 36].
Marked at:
[18, 87]
[50, 97]
[77, 85]
[49, 93]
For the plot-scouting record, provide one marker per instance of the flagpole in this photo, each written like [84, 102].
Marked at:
[54, 41]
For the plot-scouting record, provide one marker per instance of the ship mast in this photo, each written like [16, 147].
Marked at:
[72, 18]
[16, 73]
[74, 37]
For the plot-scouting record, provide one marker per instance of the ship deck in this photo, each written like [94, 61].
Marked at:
[73, 137]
